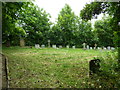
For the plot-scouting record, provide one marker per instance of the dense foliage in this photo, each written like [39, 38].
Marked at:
[25, 20]
[111, 8]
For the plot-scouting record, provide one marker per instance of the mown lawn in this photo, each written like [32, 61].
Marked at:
[50, 68]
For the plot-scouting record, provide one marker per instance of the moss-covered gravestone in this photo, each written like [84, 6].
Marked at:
[94, 66]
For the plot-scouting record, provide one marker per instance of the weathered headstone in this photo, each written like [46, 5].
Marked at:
[95, 46]
[60, 46]
[94, 66]
[48, 43]
[84, 44]
[42, 46]
[104, 48]
[108, 47]
[112, 48]
[67, 46]
[22, 42]
[98, 48]
[54, 46]
[90, 47]
[87, 46]
[73, 47]
[37, 46]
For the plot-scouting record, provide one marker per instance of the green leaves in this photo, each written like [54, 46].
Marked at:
[104, 30]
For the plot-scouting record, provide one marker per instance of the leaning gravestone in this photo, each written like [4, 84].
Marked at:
[42, 46]
[67, 46]
[87, 46]
[37, 46]
[60, 46]
[54, 46]
[73, 47]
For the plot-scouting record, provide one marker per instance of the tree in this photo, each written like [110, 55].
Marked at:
[67, 23]
[112, 8]
[24, 20]
[104, 30]
[36, 24]
[84, 32]
[9, 19]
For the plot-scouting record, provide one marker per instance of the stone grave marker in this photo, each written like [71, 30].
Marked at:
[95, 46]
[98, 48]
[54, 46]
[84, 44]
[73, 47]
[108, 47]
[87, 46]
[60, 46]
[37, 46]
[104, 48]
[43, 46]
[67, 46]
[22, 42]
[94, 66]
[48, 43]
[112, 48]
[90, 47]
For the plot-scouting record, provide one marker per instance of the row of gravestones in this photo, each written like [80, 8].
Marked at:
[95, 47]
[53, 46]
[104, 48]
[87, 47]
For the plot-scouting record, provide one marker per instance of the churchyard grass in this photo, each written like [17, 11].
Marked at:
[50, 68]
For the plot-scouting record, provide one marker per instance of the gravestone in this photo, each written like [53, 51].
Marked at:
[73, 47]
[95, 46]
[84, 44]
[87, 46]
[60, 46]
[108, 47]
[112, 48]
[67, 46]
[42, 46]
[104, 48]
[98, 48]
[22, 42]
[94, 66]
[37, 46]
[48, 43]
[54, 46]
[90, 47]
